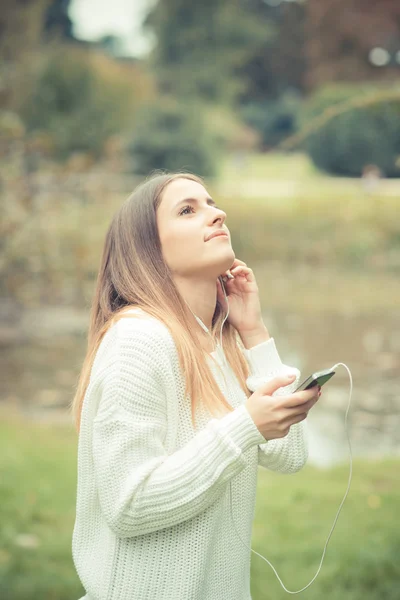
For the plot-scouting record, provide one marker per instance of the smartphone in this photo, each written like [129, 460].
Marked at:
[318, 378]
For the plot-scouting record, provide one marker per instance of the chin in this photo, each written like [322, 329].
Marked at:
[223, 261]
[229, 261]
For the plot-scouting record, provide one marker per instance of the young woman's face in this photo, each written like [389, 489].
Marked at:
[186, 217]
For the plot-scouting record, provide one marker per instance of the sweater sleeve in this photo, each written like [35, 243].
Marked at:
[288, 454]
[141, 487]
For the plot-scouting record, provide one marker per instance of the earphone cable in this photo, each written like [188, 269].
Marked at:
[350, 471]
[337, 514]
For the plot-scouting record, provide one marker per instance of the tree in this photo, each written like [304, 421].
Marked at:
[21, 26]
[57, 22]
[340, 35]
[172, 135]
[278, 64]
[201, 47]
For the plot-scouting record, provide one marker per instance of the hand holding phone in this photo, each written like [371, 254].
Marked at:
[274, 415]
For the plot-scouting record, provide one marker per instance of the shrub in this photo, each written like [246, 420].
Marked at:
[229, 129]
[273, 119]
[171, 136]
[361, 127]
[81, 98]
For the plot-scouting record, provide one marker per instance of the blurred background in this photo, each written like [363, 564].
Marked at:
[290, 110]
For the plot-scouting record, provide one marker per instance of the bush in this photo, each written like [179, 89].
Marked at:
[229, 129]
[360, 135]
[175, 137]
[82, 98]
[275, 120]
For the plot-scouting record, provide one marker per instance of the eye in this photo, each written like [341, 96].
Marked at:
[191, 207]
[183, 209]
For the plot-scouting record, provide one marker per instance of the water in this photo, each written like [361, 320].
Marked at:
[369, 346]
[40, 364]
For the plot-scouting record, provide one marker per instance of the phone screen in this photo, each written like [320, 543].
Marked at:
[318, 378]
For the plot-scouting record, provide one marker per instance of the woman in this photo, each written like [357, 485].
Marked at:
[172, 425]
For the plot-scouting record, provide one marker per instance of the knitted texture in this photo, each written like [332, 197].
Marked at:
[153, 517]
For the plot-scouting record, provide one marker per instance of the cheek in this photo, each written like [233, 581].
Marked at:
[186, 234]
[180, 243]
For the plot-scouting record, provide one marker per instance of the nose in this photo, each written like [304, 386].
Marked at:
[219, 215]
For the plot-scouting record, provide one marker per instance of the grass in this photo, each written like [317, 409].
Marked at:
[37, 499]
[272, 165]
[293, 516]
[280, 175]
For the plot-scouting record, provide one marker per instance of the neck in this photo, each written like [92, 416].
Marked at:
[200, 295]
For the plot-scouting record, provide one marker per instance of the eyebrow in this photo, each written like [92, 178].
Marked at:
[210, 201]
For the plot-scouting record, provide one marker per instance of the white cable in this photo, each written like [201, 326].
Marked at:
[337, 514]
[348, 484]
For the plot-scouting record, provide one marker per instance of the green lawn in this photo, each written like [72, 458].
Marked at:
[272, 165]
[37, 498]
[294, 514]
[281, 176]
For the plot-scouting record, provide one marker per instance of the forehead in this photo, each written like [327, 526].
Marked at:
[179, 189]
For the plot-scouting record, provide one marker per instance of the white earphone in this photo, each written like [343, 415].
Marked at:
[350, 451]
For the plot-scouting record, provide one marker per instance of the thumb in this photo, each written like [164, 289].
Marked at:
[277, 382]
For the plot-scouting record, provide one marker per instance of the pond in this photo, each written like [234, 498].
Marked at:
[41, 360]
[370, 347]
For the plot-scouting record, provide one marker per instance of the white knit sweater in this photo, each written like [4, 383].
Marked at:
[153, 518]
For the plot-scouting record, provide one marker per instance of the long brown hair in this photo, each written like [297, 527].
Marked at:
[133, 273]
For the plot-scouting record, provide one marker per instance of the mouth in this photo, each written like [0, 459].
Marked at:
[218, 235]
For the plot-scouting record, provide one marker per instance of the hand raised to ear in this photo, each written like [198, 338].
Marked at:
[243, 299]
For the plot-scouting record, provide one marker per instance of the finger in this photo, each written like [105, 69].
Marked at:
[238, 262]
[297, 399]
[294, 417]
[227, 276]
[301, 408]
[244, 271]
[239, 268]
[298, 418]
[271, 386]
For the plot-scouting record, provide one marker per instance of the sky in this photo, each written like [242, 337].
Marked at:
[94, 18]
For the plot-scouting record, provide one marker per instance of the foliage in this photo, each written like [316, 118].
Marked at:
[21, 25]
[274, 119]
[359, 135]
[229, 129]
[57, 21]
[171, 135]
[340, 35]
[37, 511]
[82, 98]
[202, 45]
[278, 63]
